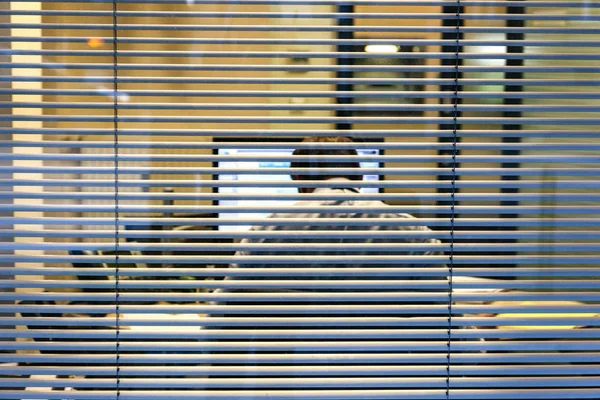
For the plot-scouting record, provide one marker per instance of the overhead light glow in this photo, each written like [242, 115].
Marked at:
[95, 42]
[381, 48]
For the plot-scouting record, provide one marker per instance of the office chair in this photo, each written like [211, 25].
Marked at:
[76, 252]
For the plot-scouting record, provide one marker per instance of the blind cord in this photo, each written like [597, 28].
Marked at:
[453, 199]
[116, 171]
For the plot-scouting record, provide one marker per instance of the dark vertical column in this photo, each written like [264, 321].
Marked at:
[518, 76]
[343, 73]
[451, 36]
[513, 75]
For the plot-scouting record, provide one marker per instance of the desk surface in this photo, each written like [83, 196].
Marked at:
[542, 315]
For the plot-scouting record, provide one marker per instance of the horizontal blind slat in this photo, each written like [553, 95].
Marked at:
[314, 222]
[484, 3]
[330, 394]
[481, 197]
[538, 311]
[319, 55]
[305, 15]
[311, 209]
[465, 295]
[361, 94]
[382, 370]
[380, 28]
[298, 68]
[307, 383]
[300, 41]
[471, 184]
[343, 347]
[282, 334]
[89, 144]
[373, 247]
[309, 107]
[366, 234]
[308, 120]
[297, 284]
[302, 80]
[573, 272]
[270, 321]
[366, 359]
[558, 159]
[295, 133]
[462, 171]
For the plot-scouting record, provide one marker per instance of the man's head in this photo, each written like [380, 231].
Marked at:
[323, 151]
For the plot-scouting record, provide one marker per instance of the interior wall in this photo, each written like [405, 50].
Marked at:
[4, 98]
[196, 49]
[27, 112]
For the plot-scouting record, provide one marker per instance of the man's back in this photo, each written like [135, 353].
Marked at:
[316, 269]
[330, 236]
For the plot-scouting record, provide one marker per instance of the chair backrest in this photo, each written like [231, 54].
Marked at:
[193, 252]
[77, 252]
[122, 262]
[76, 264]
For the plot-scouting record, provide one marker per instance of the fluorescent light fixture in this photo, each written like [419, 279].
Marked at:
[382, 48]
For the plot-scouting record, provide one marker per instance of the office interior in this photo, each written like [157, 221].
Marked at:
[424, 131]
[423, 139]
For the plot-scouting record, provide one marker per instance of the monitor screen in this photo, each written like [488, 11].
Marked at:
[275, 191]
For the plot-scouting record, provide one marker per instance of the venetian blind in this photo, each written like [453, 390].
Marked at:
[144, 137]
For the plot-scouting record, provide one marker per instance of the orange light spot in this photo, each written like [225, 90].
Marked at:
[95, 42]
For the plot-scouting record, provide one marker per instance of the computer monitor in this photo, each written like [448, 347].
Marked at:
[274, 191]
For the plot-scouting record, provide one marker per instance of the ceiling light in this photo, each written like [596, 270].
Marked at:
[382, 48]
